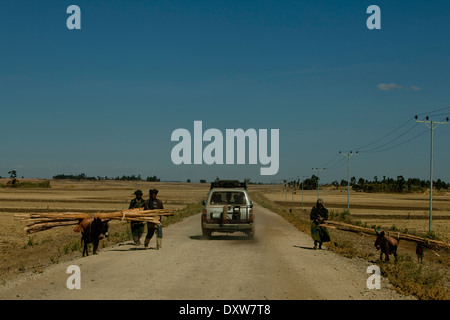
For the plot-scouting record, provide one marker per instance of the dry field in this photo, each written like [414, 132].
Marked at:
[402, 211]
[20, 252]
[407, 213]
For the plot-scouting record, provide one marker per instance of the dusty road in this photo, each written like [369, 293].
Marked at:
[277, 265]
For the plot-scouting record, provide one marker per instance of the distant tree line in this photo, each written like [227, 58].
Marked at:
[396, 185]
[83, 176]
[400, 184]
[15, 183]
[308, 183]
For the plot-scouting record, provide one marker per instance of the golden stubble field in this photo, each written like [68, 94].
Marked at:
[402, 211]
[20, 252]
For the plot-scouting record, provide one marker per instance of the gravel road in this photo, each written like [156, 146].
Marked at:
[278, 264]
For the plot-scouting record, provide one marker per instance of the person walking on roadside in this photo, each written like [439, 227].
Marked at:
[151, 204]
[137, 227]
[318, 215]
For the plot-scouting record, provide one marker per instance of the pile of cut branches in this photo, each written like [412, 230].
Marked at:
[37, 222]
[403, 236]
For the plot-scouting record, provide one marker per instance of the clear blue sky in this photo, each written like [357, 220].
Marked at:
[105, 99]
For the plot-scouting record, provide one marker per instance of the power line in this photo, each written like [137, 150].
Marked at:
[337, 164]
[361, 149]
[387, 135]
[332, 164]
[441, 114]
[397, 145]
[335, 156]
[389, 142]
[431, 112]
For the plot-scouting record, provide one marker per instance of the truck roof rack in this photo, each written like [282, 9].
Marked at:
[228, 184]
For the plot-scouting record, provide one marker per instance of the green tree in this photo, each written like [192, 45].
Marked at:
[335, 184]
[13, 175]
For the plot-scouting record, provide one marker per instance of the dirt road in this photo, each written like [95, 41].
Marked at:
[277, 265]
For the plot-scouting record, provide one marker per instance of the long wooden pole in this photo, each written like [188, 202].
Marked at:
[403, 236]
[42, 221]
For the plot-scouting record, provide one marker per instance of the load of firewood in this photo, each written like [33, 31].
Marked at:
[403, 236]
[43, 221]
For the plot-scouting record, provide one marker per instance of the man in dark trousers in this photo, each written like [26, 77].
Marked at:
[137, 227]
[151, 204]
[318, 215]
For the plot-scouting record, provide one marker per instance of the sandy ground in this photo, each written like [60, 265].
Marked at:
[277, 265]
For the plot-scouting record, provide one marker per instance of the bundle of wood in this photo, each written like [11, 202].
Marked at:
[37, 222]
[403, 236]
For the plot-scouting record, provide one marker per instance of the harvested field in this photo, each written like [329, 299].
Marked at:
[402, 211]
[20, 252]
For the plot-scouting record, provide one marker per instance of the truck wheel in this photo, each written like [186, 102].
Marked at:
[251, 234]
[206, 233]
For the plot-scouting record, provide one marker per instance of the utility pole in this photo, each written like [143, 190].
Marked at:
[432, 125]
[318, 179]
[281, 191]
[293, 187]
[302, 188]
[285, 190]
[280, 181]
[348, 156]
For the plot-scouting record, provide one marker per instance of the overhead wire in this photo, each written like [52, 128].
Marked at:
[400, 144]
[361, 149]
[434, 111]
[337, 164]
[389, 142]
[330, 161]
[385, 136]
[332, 164]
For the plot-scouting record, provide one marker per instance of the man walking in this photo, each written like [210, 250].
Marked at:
[137, 227]
[151, 204]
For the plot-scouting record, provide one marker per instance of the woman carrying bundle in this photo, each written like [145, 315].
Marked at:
[318, 215]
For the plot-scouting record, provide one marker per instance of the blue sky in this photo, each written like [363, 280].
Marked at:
[105, 99]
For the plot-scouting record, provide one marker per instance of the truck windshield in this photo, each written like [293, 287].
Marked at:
[228, 197]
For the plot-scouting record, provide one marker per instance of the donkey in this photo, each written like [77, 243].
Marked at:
[387, 244]
[92, 230]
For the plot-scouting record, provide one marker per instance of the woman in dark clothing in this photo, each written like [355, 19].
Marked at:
[318, 215]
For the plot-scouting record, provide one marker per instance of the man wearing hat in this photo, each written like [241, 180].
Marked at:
[318, 215]
[151, 204]
[137, 227]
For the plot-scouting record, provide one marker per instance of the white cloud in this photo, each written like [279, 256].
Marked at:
[389, 86]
